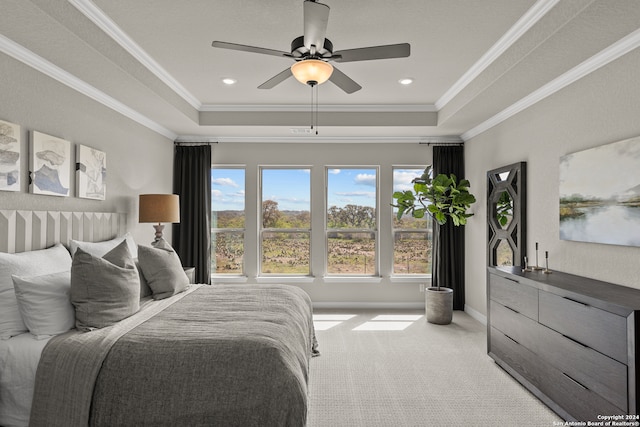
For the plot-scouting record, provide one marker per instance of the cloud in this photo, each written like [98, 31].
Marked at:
[225, 182]
[402, 179]
[216, 194]
[356, 194]
[334, 171]
[365, 179]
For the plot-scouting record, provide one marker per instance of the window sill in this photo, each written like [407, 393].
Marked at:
[285, 279]
[228, 279]
[411, 279]
[352, 279]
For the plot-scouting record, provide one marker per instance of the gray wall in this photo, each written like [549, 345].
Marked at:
[138, 159]
[601, 108]
[351, 292]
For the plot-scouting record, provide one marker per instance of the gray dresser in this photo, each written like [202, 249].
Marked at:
[572, 341]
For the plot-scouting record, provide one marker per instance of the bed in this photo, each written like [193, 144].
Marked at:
[199, 355]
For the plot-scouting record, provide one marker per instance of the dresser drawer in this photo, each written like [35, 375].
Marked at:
[517, 296]
[597, 372]
[507, 351]
[603, 331]
[573, 397]
[515, 325]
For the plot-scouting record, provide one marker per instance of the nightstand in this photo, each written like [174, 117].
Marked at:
[191, 273]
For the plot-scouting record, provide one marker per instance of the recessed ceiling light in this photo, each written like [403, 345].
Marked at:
[229, 81]
[406, 81]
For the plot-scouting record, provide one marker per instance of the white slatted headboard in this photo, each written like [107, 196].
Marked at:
[22, 231]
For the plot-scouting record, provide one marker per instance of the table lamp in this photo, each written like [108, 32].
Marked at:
[159, 208]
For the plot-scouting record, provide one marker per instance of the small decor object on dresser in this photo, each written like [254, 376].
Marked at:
[49, 165]
[9, 156]
[91, 173]
[600, 194]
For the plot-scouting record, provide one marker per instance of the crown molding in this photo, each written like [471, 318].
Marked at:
[602, 58]
[323, 139]
[533, 15]
[336, 108]
[40, 64]
[106, 24]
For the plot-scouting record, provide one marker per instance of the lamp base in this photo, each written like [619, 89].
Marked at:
[159, 228]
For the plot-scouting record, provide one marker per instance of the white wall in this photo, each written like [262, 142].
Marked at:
[601, 108]
[138, 160]
[384, 292]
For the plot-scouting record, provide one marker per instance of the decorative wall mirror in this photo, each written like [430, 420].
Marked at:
[506, 215]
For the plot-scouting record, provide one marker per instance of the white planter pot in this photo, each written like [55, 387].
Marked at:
[439, 305]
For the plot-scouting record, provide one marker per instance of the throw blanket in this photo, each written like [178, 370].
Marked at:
[217, 355]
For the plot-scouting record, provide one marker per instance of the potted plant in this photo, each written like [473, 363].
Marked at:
[443, 198]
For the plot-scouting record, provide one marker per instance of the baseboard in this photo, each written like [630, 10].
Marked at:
[475, 314]
[354, 305]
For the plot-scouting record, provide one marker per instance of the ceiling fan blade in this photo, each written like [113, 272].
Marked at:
[343, 81]
[316, 17]
[277, 79]
[254, 49]
[401, 50]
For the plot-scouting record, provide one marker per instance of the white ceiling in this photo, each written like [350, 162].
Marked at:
[473, 62]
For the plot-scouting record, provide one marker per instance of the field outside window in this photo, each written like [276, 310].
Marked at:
[227, 220]
[351, 221]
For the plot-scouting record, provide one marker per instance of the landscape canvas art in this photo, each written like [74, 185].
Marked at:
[50, 165]
[600, 194]
[9, 156]
[91, 173]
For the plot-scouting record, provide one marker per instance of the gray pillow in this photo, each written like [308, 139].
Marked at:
[163, 270]
[104, 290]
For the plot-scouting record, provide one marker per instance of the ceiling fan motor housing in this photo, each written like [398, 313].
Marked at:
[300, 51]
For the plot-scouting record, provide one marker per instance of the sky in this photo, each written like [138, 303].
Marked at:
[291, 187]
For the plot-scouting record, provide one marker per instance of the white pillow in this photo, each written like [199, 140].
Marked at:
[99, 249]
[33, 263]
[45, 303]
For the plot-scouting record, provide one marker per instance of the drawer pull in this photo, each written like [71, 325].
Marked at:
[576, 382]
[511, 280]
[512, 309]
[511, 339]
[575, 341]
[577, 302]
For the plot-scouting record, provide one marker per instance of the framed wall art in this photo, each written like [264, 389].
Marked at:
[49, 165]
[10, 146]
[600, 194]
[91, 173]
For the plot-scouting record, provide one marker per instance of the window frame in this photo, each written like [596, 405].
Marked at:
[241, 231]
[375, 231]
[397, 230]
[262, 230]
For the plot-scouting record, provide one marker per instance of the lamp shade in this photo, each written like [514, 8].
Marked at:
[312, 71]
[159, 208]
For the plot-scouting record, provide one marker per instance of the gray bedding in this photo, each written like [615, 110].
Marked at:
[222, 355]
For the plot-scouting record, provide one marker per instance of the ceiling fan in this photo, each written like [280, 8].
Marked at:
[313, 52]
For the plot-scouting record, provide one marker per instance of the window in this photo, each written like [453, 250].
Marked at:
[227, 220]
[411, 236]
[351, 221]
[285, 233]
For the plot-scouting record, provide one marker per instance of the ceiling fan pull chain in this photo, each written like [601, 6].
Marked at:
[317, 91]
[311, 107]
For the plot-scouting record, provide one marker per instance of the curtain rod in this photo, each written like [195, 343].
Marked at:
[443, 144]
[194, 142]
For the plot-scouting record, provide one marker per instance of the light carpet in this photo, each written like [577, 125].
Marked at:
[393, 368]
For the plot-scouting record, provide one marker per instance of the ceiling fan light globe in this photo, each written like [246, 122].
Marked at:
[312, 70]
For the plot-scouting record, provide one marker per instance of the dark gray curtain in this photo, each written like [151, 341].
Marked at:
[192, 182]
[448, 255]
